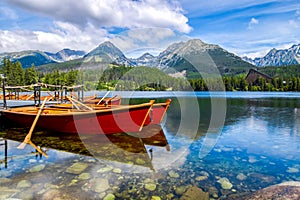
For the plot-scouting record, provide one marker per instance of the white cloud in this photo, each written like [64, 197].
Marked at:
[135, 42]
[112, 13]
[64, 35]
[252, 22]
[86, 23]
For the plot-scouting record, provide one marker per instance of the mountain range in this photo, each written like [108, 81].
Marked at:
[38, 58]
[192, 56]
[66, 55]
[274, 57]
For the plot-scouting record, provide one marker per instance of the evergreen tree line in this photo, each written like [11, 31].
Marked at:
[144, 78]
[140, 78]
[18, 76]
[239, 83]
[113, 78]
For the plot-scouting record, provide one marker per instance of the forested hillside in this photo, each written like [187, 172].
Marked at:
[120, 77]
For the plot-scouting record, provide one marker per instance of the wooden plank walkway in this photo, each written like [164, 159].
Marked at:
[19, 103]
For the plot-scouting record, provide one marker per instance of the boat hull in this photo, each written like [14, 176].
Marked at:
[119, 120]
[158, 112]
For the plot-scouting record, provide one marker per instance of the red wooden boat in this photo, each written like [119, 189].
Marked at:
[156, 114]
[129, 118]
[115, 100]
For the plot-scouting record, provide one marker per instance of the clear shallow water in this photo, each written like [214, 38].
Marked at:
[257, 145]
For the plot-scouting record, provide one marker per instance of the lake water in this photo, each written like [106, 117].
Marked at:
[227, 144]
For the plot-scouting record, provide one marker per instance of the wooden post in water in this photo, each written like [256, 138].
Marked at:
[3, 88]
[5, 153]
[37, 95]
[82, 92]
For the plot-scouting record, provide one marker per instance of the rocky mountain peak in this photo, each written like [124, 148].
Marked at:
[107, 52]
[146, 56]
[280, 57]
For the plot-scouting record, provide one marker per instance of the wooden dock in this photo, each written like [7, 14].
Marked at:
[15, 103]
[19, 103]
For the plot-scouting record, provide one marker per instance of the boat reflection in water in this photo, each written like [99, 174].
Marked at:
[126, 150]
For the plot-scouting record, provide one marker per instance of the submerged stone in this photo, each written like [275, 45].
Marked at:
[77, 168]
[150, 186]
[241, 177]
[117, 170]
[173, 174]
[155, 198]
[252, 159]
[180, 190]
[214, 192]
[109, 197]
[104, 169]
[37, 168]
[24, 184]
[84, 176]
[195, 193]
[99, 185]
[201, 178]
[292, 170]
[170, 196]
[52, 194]
[225, 183]
[140, 161]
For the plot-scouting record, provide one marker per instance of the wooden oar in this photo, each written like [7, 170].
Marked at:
[102, 98]
[38, 149]
[52, 96]
[73, 103]
[149, 110]
[30, 97]
[108, 100]
[27, 139]
[78, 102]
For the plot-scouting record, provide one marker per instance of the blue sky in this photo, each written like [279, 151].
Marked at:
[244, 27]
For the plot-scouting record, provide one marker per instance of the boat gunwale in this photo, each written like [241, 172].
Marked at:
[70, 112]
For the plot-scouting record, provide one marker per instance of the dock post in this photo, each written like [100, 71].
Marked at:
[37, 95]
[5, 153]
[61, 93]
[66, 91]
[3, 88]
[82, 92]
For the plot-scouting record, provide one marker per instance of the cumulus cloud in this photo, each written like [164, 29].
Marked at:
[135, 42]
[112, 13]
[252, 22]
[86, 23]
[63, 35]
